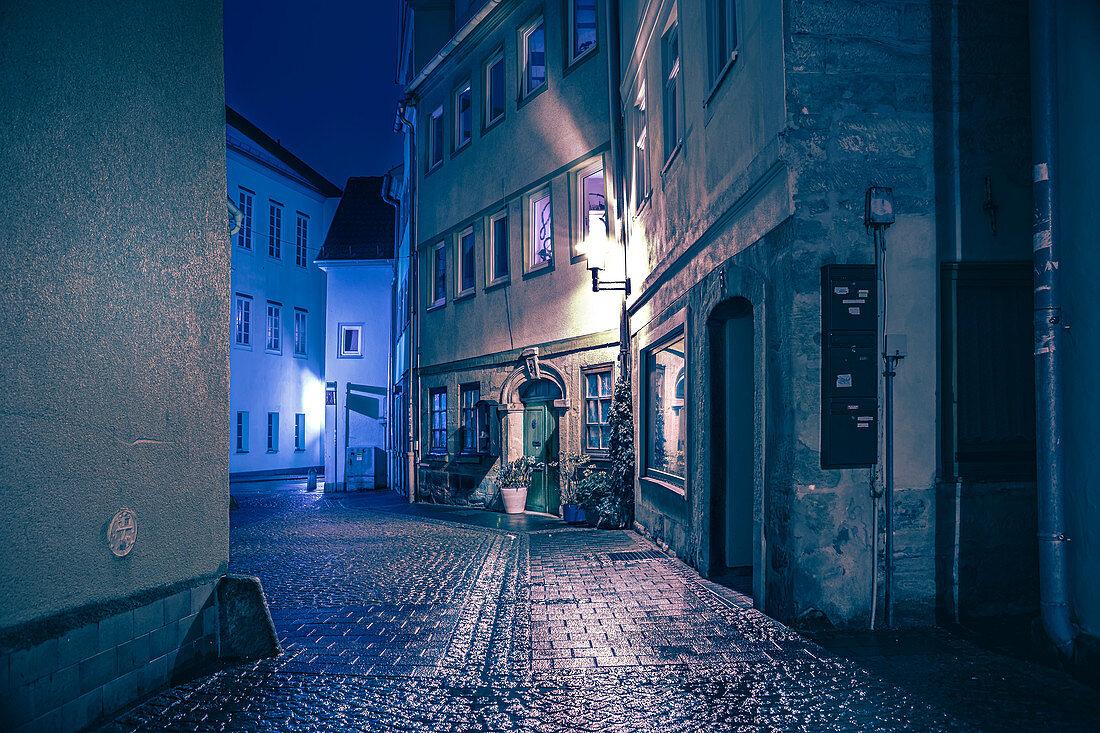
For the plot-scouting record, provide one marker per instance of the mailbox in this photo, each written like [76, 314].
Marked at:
[850, 365]
[850, 432]
[848, 298]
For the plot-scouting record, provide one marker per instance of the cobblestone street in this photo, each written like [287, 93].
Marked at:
[416, 618]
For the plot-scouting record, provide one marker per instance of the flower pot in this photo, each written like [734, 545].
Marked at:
[572, 513]
[515, 498]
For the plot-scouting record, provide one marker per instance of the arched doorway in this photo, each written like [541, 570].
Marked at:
[540, 442]
[733, 444]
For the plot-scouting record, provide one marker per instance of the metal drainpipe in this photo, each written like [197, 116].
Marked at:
[614, 78]
[1053, 566]
[413, 354]
[391, 444]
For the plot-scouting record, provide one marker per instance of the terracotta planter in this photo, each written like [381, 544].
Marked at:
[515, 498]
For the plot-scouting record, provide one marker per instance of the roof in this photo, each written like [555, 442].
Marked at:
[363, 227]
[289, 161]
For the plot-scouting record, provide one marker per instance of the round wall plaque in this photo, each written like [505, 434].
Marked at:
[122, 532]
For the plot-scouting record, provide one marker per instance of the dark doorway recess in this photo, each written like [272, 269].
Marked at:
[732, 444]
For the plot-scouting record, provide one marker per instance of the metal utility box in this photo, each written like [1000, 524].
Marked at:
[849, 366]
[359, 473]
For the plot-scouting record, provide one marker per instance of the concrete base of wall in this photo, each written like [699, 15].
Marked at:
[59, 678]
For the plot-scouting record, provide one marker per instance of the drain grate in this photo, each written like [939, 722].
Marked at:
[643, 555]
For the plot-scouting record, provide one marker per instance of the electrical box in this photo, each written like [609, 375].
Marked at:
[849, 366]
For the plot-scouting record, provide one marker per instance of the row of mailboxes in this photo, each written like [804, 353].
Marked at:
[849, 366]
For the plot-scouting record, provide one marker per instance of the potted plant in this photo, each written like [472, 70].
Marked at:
[514, 480]
[572, 468]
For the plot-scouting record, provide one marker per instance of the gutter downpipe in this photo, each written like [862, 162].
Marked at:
[407, 123]
[391, 444]
[1053, 565]
[614, 78]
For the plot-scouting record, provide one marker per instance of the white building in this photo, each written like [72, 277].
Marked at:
[277, 305]
[358, 260]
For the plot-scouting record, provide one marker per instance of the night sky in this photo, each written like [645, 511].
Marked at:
[319, 77]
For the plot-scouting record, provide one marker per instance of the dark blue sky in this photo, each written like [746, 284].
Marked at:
[318, 76]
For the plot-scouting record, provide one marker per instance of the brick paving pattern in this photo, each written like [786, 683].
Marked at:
[396, 621]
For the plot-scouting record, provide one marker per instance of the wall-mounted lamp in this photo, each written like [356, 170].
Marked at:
[596, 248]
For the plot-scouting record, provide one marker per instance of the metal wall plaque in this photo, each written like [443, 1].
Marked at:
[123, 532]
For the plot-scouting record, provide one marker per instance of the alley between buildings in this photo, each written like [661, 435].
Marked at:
[412, 617]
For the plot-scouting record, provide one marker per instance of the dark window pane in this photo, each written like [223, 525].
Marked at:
[496, 90]
[536, 58]
[468, 262]
[500, 247]
[584, 26]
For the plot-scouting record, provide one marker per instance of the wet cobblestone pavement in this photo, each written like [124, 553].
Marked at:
[393, 620]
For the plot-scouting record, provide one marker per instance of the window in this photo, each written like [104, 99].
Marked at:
[300, 431]
[591, 204]
[582, 27]
[466, 261]
[498, 247]
[275, 230]
[274, 327]
[244, 203]
[641, 162]
[463, 116]
[272, 432]
[670, 46]
[439, 274]
[723, 36]
[494, 89]
[301, 241]
[541, 231]
[242, 432]
[351, 340]
[299, 332]
[534, 57]
[435, 138]
[242, 320]
[666, 413]
[439, 420]
[471, 428]
[597, 408]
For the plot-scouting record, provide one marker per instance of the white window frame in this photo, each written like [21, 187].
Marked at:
[533, 229]
[495, 59]
[672, 93]
[586, 372]
[245, 201]
[241, 436]
[438, 293]
[341, 352]
[272, 432]
[242, 320]
[459, 140]
[460, 265]
[301, 332]
[491, 278]
[273, 331]
[301, 240]
[525, 57]
[574, 57]
[274, 229]
[721, 32]
[299, 432]
[580, 202]
[640, 174]
[435, 149]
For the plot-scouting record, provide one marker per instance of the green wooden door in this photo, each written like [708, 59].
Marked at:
[540, 442]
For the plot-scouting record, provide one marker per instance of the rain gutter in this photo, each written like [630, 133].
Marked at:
[451, 45]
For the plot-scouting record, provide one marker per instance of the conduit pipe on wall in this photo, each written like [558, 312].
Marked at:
[391, 445]
[1053, 566]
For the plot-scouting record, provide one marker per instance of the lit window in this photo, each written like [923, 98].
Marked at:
[471, 429]
[534, 56]
[439, 420]
[435, 138]
[723, 35]
[582, 27]
[275, 230]
[494, 89]
[666, 413]
[299, 332]
[671, 64]
[272, 432]
[466, 261]
[463, 116]
[641, 163]
[498, 246]
[244, 203]
[597, 409]
[301, 240]
[274, 327]
[351, 340]
[541, 234]
[591, 203]
[439, 274]
[242, 320]
[242, 432]
[300, 431]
